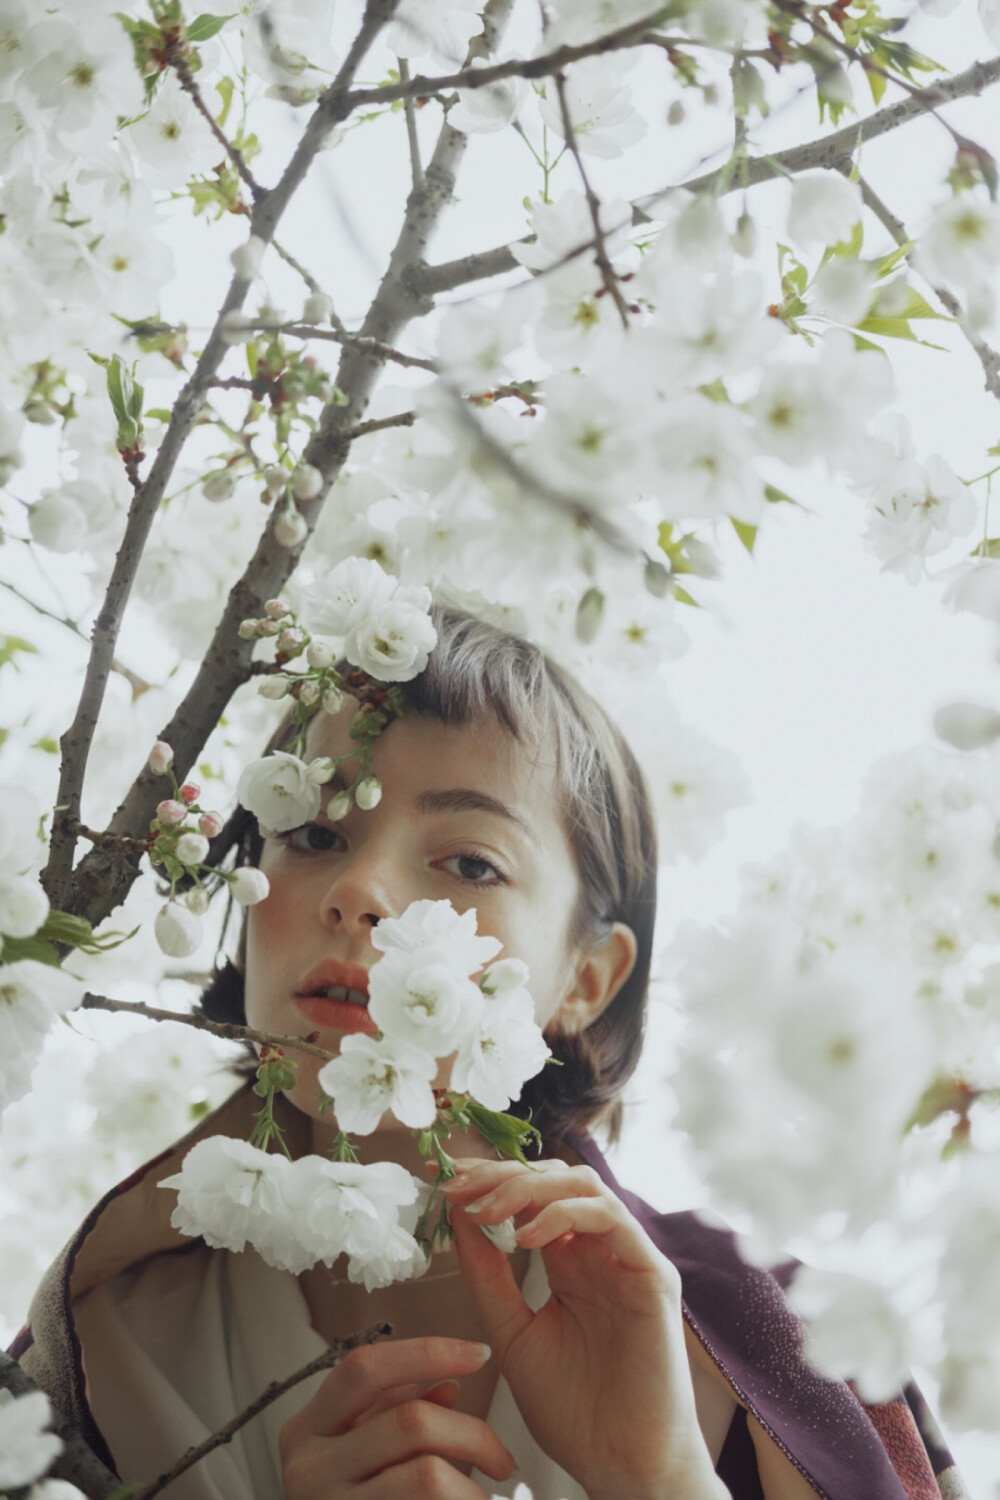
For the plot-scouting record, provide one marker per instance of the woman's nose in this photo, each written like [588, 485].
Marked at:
[360, 894]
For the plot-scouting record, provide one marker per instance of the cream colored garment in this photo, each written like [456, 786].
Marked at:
[174, 1346]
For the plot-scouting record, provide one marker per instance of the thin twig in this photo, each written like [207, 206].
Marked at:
[190, 87]
[307, 276]
[543, 66]
[378, 348]
[228, 1031]
[416, 169]
[601, 258]
[832, 150]
[379, 424]
[135, 682]
[987, 356]
[77, 1463]
[325, 1361]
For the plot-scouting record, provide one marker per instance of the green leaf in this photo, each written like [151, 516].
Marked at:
[159, 414]
[11, 646]
[888, 263]
[48, 744]
[877, 83]
[888, 328]
[203, 27]
[15, 949]
[914, 306]
[225, 88]
[683, 597]
[126, 399]
[746, 533]
[76, 932]
[774, 496]
[988, 548]
[506, 1133]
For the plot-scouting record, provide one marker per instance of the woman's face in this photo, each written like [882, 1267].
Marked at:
[464, 816]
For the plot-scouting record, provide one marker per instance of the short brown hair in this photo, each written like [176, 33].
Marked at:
[478, 671]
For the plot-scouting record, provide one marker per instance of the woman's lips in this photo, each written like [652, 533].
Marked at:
[336, 1015]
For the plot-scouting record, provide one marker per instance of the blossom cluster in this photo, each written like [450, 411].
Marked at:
[179, 838]
[427, 1008]
[842, 1035]
[27, 1448]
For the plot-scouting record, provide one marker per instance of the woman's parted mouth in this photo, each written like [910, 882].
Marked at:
[335, 982]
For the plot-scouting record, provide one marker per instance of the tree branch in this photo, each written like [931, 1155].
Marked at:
[102, 880]
[135, 682]
[416, 168]
[601, 258]
[307, 276]
[358, 341]
[77, 1463]
[987, 356]
[832, 150]
[77, 740]
[228, 1031]
[187, 82]
[430, 280]
[325, 1361]
[543, 66]
[379, 424]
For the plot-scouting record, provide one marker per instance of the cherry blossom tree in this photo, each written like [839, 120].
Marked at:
[252, 421]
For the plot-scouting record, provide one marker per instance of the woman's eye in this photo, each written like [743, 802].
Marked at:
[473, 870]
[310, 838]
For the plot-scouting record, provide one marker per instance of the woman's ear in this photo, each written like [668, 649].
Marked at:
[598, 976]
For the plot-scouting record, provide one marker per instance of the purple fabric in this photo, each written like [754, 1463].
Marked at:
[740, 1315]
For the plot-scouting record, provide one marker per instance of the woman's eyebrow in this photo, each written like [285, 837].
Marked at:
[467, 799]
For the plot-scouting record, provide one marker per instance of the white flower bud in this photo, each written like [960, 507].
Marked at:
[307, 482]
[320, 770]
[318, 307]
[246, 258]
[338, 806]
[332, 699]
[248, 886]
[675, 114]
[291, 641]
[745, 236]
[290, 529]
[235, 328]
[248, 630]
[219, 486]
[196, 900]
[275, 478]
[967, 726]
[23, 906]
[276, 609]
[177, 930]
[268, 627]
[40, 412]
[161, 758]
[308, 693]
[275, 687]
[589, 613]
[192, 848]
[321, 653]
[656, 577]
[369, 793]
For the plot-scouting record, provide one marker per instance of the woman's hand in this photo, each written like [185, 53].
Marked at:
[381, 1427]
[600, 1373]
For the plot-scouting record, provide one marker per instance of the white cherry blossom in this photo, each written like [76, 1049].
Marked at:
[394, 642]
[422, 27]
[278, 791]
[824, 208]
[23, 906]
[920, 509]
[26, 1448]
[227, 1192]
[32, 994]
[599, 104]
[506, 1050]
[428, 1005]
[435, 931]
[371, 1077]
[171, 139]
[349, 594]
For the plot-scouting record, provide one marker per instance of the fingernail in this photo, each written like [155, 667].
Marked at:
[485, 1352]
[459, 1180]
[528, 1232]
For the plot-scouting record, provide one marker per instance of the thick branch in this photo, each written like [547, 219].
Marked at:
[77, 740]
[832, 150]
[325, 1361]
[102, 880]
[430, 280]
[987, 356]
[77, 1463]
[228, 1031]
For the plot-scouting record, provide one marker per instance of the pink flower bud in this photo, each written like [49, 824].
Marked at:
[171, 812]
[160, 758]
[210, 824]
[189, 793]
[276, 609]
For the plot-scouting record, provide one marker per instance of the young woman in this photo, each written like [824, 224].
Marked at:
[631, 1355]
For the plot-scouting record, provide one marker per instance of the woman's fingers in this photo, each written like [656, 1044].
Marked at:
[368, 1373]
[487, 1272]
[443, 1392]
[394, 1437]
[425, 1478]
